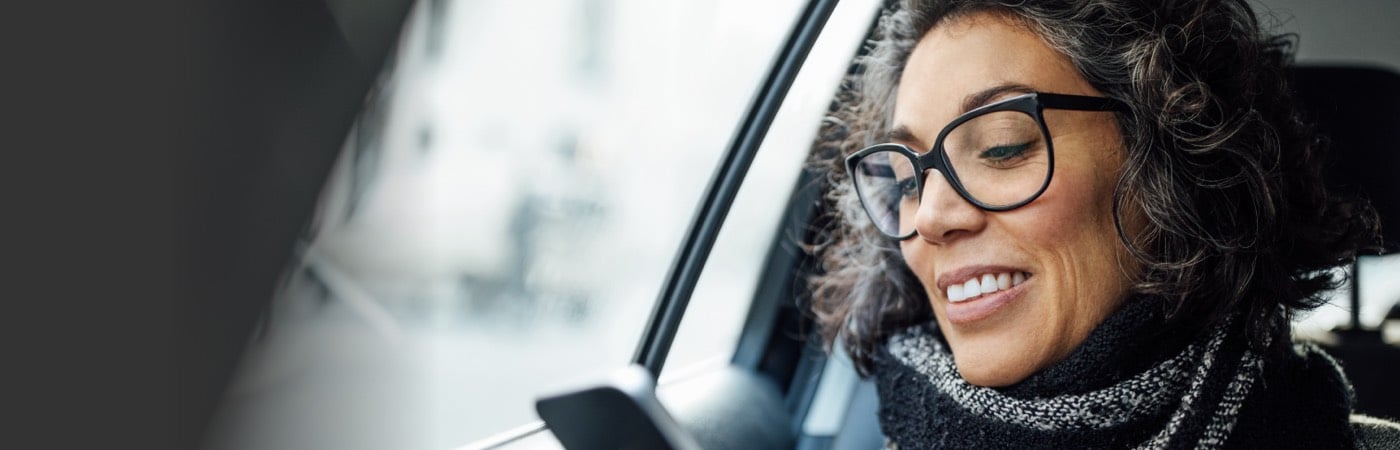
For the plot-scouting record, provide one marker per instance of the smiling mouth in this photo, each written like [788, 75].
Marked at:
[984, 284]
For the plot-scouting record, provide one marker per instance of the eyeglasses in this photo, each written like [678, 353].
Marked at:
[998, 157]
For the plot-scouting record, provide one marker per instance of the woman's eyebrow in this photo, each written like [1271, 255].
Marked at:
[979, 98]
[901, 133]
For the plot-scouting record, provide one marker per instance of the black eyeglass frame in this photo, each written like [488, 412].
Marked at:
[1033, 104]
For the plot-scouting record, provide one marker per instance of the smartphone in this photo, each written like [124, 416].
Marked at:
[619, 413]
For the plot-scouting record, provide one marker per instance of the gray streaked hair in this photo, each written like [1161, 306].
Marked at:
[1222, 168]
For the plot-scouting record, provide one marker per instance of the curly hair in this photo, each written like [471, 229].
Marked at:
[1224, 170]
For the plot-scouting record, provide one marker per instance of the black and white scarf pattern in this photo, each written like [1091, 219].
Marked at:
[1191, 399]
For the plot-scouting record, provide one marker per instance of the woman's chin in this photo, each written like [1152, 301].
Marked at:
[990, 378]
[992, 368]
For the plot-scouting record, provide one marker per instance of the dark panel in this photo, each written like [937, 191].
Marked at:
[275, 87]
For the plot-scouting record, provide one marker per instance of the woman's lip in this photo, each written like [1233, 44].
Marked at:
[966, 312]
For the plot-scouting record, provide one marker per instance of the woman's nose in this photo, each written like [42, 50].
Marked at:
[943, 215]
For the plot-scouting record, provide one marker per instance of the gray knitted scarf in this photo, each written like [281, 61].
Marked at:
[1189, 399]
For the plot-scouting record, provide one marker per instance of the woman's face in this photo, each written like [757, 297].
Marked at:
[1064, 243]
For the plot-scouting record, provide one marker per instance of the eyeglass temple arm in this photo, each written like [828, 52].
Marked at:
[1081, 102]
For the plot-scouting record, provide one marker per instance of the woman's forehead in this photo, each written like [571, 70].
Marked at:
[955, 65]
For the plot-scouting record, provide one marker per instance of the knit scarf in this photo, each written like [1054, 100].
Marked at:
[1123, 388]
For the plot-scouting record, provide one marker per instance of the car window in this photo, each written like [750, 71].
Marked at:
[720, 303]
[500, 219]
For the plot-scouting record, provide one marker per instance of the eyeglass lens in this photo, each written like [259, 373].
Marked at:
[1000, 158]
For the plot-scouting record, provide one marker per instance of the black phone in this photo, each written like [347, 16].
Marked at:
[621, 413]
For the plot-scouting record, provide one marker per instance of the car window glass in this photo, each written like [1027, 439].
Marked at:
[715, 316]
[501, 218]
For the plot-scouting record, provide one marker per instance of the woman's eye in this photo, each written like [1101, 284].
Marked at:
[908, 187]
[1001, 153]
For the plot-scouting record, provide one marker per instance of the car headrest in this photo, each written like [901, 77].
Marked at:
[1358, 108]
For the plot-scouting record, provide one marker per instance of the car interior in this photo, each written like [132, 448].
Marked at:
[294, 78]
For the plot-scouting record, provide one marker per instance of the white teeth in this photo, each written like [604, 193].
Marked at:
[989, 283]
[955, 293]
[985, 284]
[972, 288]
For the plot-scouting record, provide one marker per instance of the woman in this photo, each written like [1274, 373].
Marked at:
[1083, 224]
